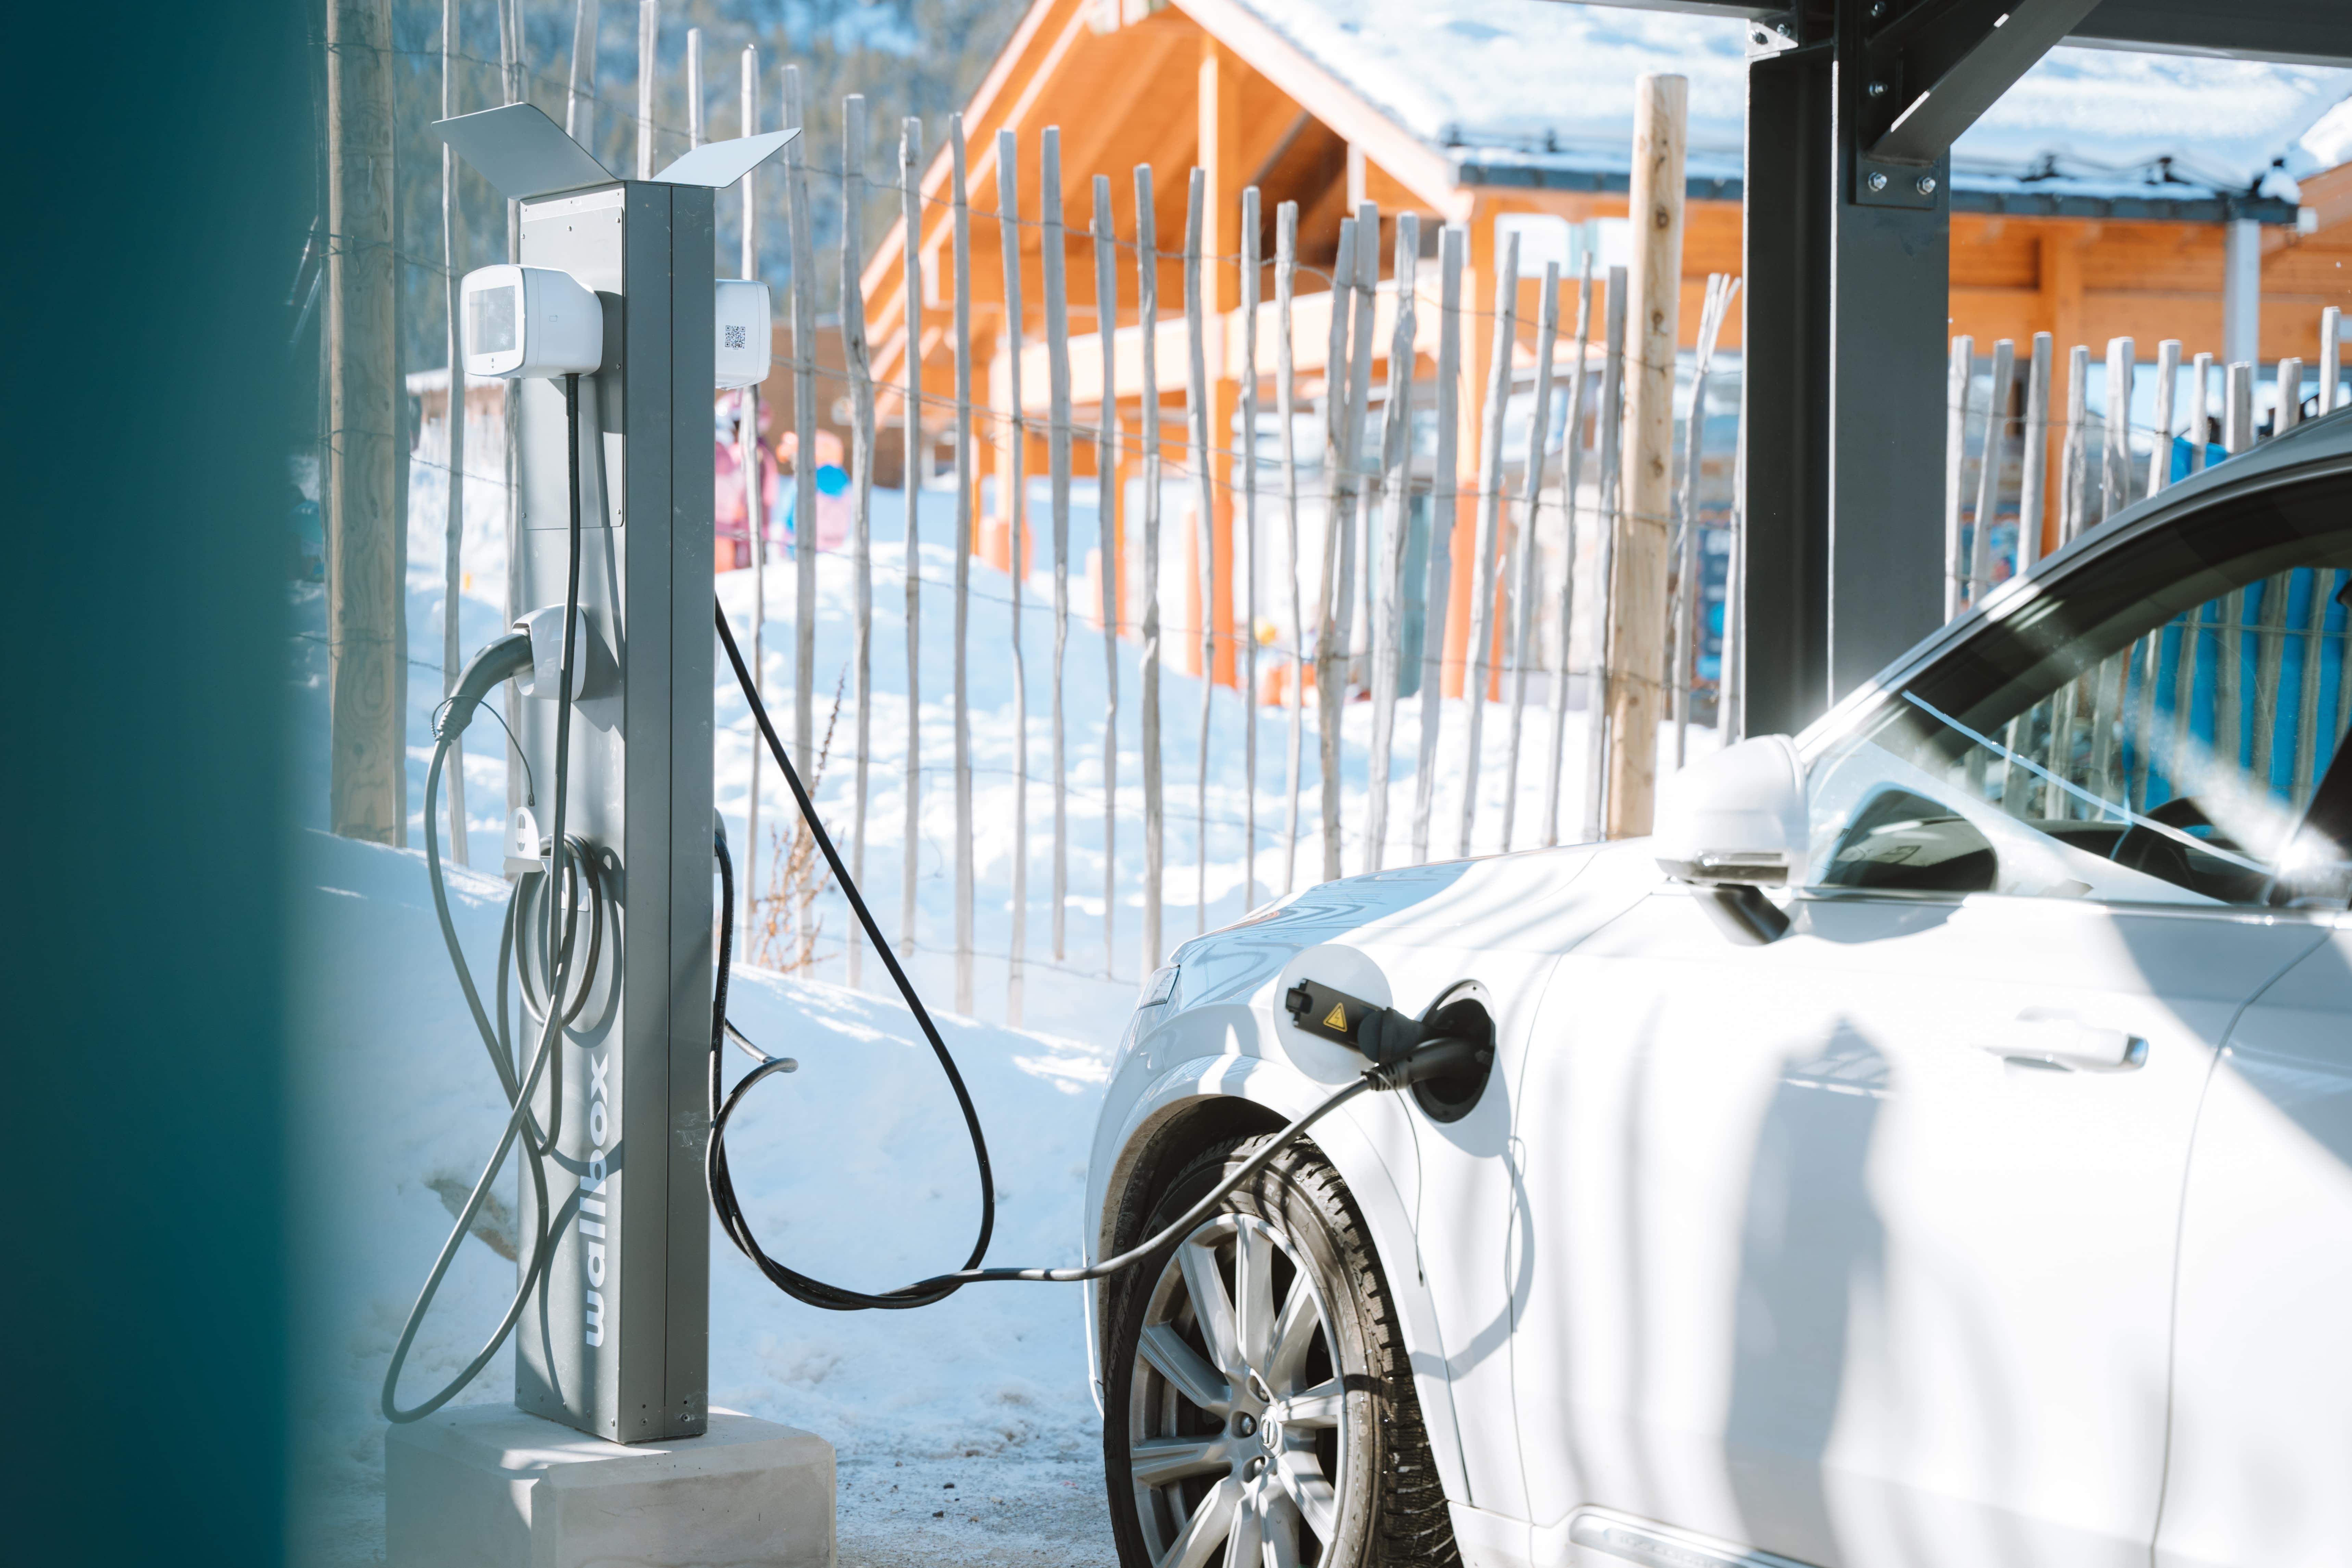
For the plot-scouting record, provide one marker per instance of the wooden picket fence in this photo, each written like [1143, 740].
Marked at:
[1337, 530]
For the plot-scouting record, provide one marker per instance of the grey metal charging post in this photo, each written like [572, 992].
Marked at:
[617, 1342]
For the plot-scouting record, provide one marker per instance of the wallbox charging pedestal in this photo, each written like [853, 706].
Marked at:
[614, 1342]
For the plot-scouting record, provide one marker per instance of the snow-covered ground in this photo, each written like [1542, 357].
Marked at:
[854, 1169]
[966, 1430]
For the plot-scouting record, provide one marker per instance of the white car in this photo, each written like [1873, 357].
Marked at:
[1934, 1146]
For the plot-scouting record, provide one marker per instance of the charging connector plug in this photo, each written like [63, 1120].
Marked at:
[502, 658]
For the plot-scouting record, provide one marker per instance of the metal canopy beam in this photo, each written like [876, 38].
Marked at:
[1943, 65]
[1847, 236]
[2291, 32]
[2284, 31]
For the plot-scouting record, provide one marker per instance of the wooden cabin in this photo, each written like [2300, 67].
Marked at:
[1517, 120]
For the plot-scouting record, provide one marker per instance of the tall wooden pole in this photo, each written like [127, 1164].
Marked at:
[367, 565]
[1637, 643]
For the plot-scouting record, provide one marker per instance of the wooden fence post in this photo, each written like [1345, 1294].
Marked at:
[1286, 283]
[910, 220]
[2033, 501]
[580, 91]
[1613, 423]
[1204, 523]
[1246, 462]
[749, 446]
[1637, 640]
[804, 531]
[1107, 504]
[1396, 484]
[1957, 377]
[960, 227]
[1524, 607]
[2114, 464]
[1147, 283]
[1332, 573]
[648, 43]
[2070, 474]
[454, 524]
[2331, 361]
[2004, 363]
[855, 357]
[2167, 381]
[2238, 408]
[1013, 502]
[1057, 468]
[2201, 418]
[1573, 445]
[1442, 497]
[1480, 652]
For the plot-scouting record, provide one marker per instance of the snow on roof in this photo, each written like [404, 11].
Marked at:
[1552, 84]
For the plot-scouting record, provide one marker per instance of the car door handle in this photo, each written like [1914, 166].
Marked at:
[2059, 1040]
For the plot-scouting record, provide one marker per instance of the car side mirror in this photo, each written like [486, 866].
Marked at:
[1737, 817]
[1736, 823]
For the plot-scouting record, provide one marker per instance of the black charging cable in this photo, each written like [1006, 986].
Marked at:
[1426, 1058]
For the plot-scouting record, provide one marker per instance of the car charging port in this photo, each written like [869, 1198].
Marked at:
[1446, 1056]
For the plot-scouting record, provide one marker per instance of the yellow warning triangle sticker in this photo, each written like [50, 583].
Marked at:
[1338, 1017]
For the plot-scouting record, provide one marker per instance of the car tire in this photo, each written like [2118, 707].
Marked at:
[1316, 1448]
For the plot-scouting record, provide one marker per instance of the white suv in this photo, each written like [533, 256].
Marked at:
[1934, 1147]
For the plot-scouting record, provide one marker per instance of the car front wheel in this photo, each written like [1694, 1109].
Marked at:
[1260, 1407]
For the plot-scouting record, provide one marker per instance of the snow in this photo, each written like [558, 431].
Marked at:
[855, 1168]
[1541, 77]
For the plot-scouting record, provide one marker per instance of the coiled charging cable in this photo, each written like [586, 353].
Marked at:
[571, 877]
[1437, 1058]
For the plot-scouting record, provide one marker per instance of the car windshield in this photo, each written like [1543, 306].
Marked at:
[2150, 725]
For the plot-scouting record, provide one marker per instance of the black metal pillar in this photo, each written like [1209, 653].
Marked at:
[1786, 609]
[1847, 314]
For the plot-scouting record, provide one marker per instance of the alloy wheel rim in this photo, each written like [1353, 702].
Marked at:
[1233, 1409]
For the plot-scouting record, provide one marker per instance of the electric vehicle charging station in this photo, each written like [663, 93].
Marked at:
[612, 319]
[618, 1105]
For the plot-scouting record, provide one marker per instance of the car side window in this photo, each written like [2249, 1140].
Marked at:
[2150, 724]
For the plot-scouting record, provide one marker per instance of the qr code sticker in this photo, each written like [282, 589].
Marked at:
[737, 336]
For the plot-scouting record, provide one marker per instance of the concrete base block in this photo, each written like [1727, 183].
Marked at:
[489, 1487]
